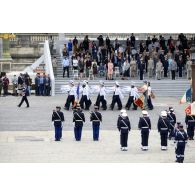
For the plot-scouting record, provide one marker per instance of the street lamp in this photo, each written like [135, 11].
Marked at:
[193, 69]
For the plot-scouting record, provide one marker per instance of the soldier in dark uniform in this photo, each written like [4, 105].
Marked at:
[163, 128]
[78, 119]
[124, 127]
[96, 118]
[172, 119]
[145, 127]
[58, 120]
[24, 97]
[190, 124]
[181, 140]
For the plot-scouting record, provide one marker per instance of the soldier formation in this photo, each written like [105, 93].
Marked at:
[167, 126]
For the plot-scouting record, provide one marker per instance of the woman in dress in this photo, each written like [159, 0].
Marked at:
[110, 70]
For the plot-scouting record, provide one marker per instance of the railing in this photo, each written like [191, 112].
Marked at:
[48, 66]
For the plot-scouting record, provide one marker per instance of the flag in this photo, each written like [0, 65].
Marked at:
[77, 98]
[187, 97]
[190, 110]
[140, 102]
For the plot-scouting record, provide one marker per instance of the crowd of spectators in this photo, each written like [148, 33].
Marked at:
[154, 57]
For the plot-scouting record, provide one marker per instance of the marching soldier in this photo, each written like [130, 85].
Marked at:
[78, 119]
[180, 140]
[101, 97]
[163, 128]
[85, 96]
[124, 127]
[58, 120]
[117, 96]
[132, 96]
[145, 127]
[190, 124]
[172, 119]
[96, 118]
[189, 68]
[71, 96]
[24, 97]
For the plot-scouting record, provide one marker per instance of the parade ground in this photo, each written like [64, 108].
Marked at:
[27, 134]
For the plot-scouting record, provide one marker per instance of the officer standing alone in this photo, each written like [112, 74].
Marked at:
[58, 120]
[145, 127]
[78, 119]
[96, 118]
[124, 127]
[24, 97]
[180, 140]
[163, 128]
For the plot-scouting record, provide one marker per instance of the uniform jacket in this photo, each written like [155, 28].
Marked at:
[163, 124]
[190, 120]
[144, 123]
[78, 118]
[58, 118]
[172, 118]
[124, 124]
[96, 117]
[181, 137]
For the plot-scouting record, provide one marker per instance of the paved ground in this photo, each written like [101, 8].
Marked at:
[39, 146]
[26, 134]
[38, 116]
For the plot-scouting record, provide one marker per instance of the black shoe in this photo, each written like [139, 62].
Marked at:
[18, 105]
[27, 106]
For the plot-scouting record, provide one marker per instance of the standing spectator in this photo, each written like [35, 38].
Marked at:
[101, 40]
[75, 45]
[94, 67]
[65, 51]
[37, 84]
[47, 85]
[88, 66]
[126, 69]
[54, 64]
[42, 84]
[1, 84]
[70, 48]
[159, 68]
[180, 66]
[65, 65]
[75, 63]
[133, 67]
[189, 68]
[132, 40]
[107, 42]
[165, 66]
[141, 69]
[110, 70]
[86, 43]
[94, 51]
[81, 66]
[20, 84]
[5, 85]
[15, 85]
[173, 67]
[150, 67]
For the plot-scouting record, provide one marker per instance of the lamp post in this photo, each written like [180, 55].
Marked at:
[193, 70]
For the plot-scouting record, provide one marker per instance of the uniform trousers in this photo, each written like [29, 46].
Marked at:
[78, 132]
[116, 99]
[131, 101]
[86, 101]
[96, 129]
[180, 148]
[70, 99]
[58, 132]
[190, 131]
[144, 136]
[163, 137]
[124, 139]
[100, 99]
[24, 98]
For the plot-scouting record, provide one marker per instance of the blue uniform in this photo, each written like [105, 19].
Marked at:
[96, 118]
[78, 119]
[58, 118]
[172, 119]
[181, 140]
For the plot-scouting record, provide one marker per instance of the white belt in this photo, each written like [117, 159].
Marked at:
[96, 120]
[164, 129]
[124, 127]
[57, 120]
[145, 127]
[191, 120]
[79, 120]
